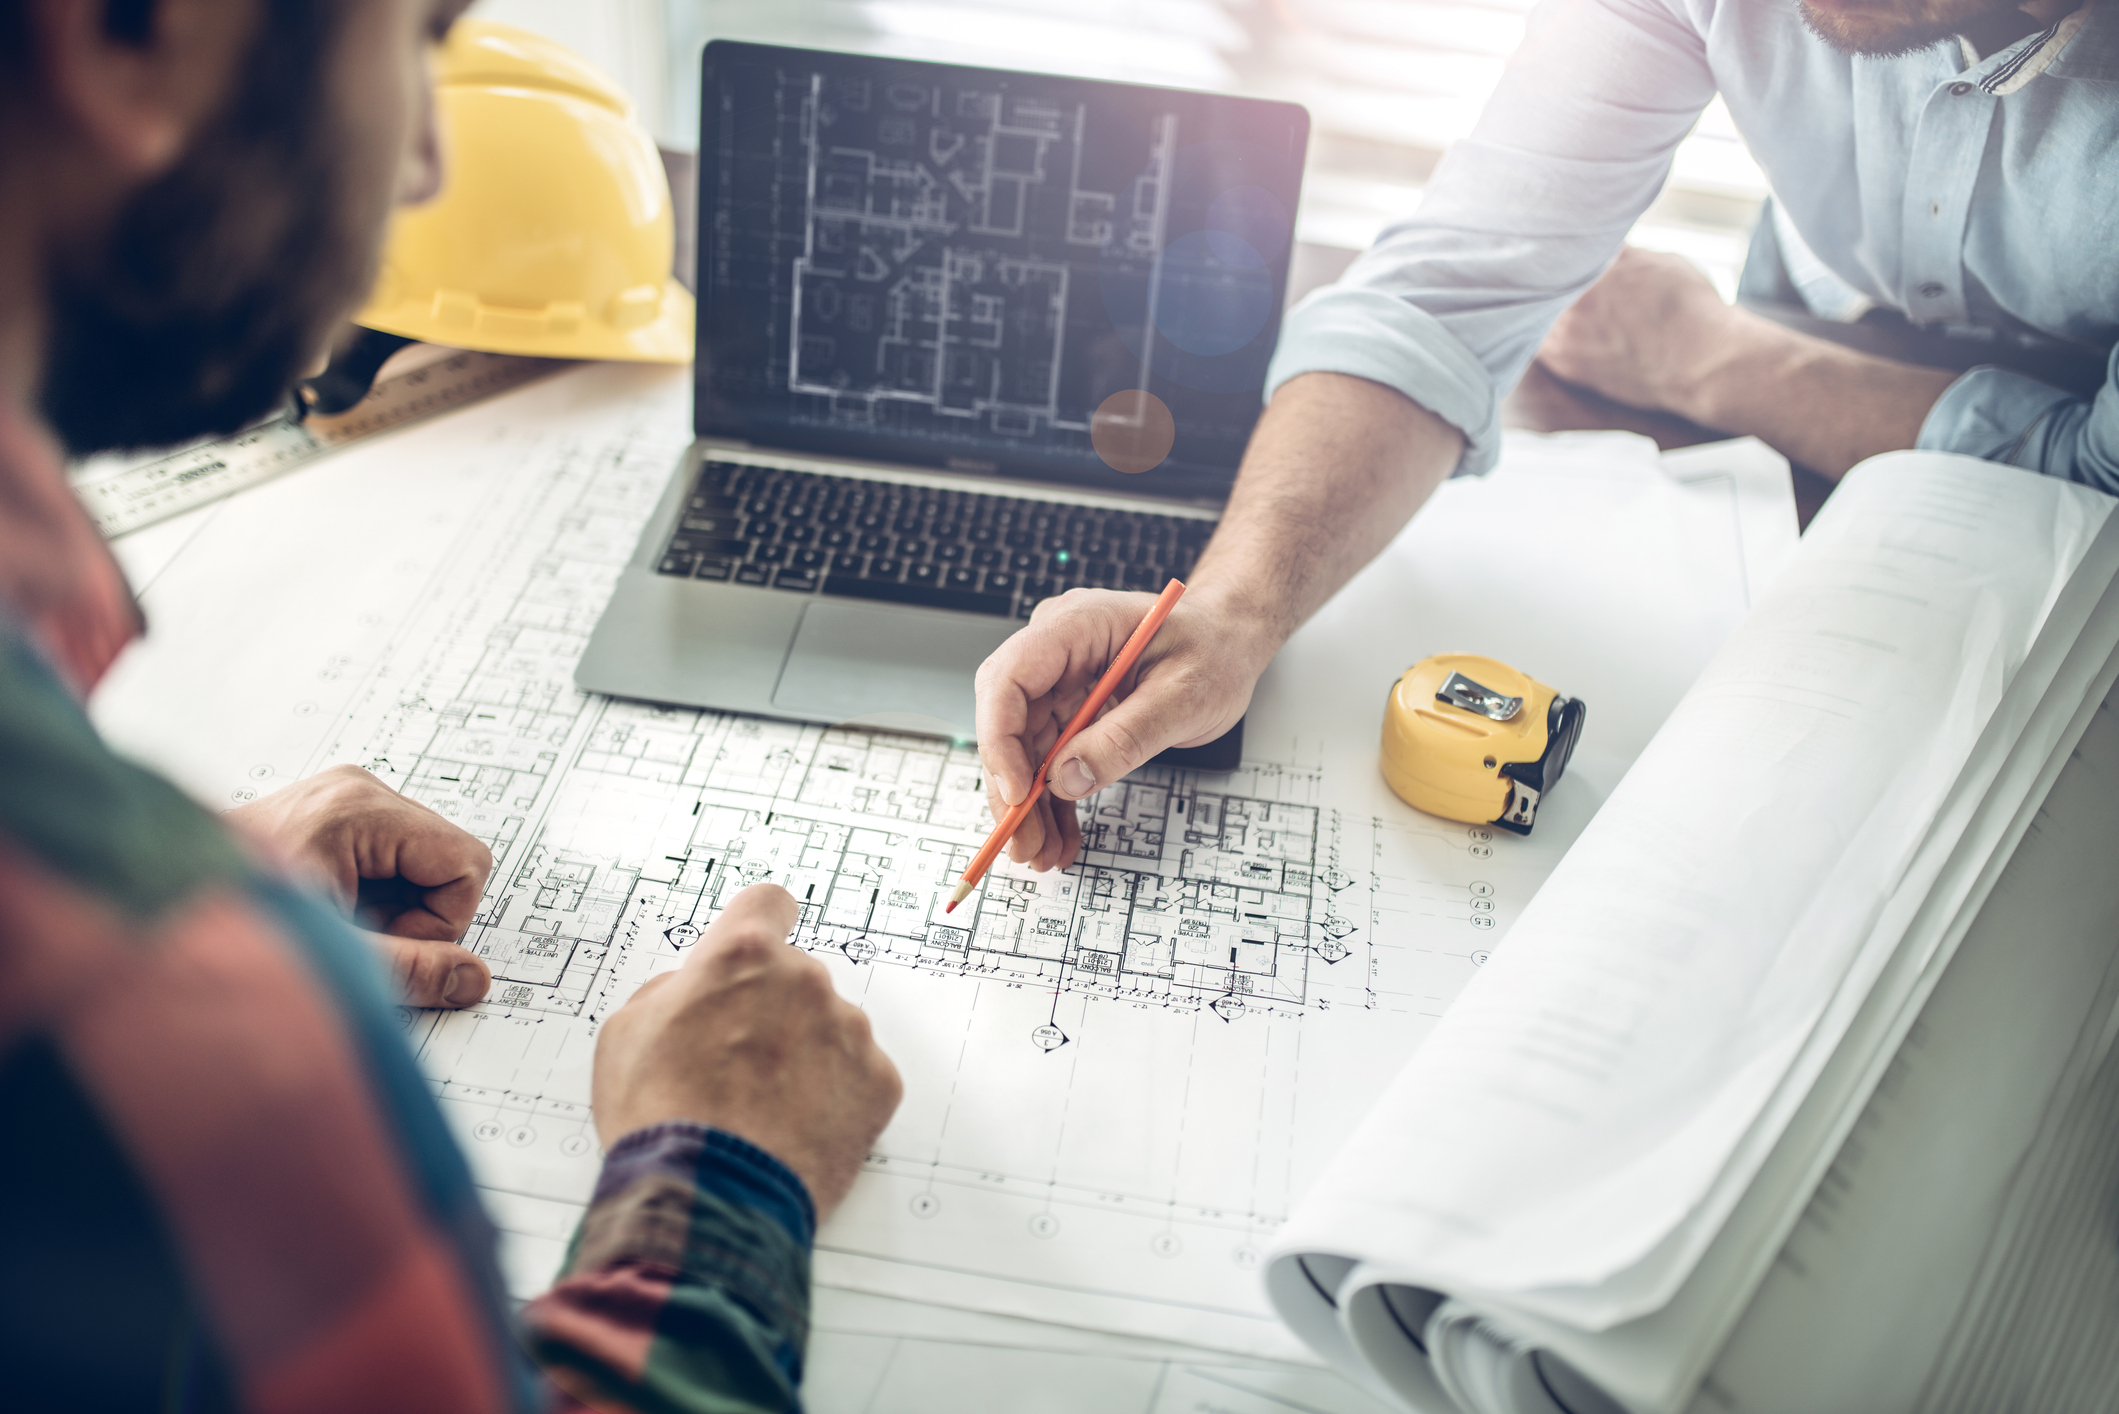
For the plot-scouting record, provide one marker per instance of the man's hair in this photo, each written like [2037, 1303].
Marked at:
[218, 280]
[129, 21]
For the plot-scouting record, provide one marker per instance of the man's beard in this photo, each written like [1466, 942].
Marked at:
[1887, 33]
[219, 281]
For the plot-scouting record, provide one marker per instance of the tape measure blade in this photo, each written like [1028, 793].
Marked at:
[137, 496]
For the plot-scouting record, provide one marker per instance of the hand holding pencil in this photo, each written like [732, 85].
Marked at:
[1091, 705]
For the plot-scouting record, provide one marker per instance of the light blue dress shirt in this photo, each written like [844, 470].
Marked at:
[1957, 190]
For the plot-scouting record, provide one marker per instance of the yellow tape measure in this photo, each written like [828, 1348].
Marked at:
[124, 496]
[1469, 738]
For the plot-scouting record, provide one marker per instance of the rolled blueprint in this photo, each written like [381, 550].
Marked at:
[1576, 1133]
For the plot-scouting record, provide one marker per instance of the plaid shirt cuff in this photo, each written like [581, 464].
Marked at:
[688, 1282]
[718, 1163]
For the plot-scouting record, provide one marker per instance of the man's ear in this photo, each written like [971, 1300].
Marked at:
[135, 80]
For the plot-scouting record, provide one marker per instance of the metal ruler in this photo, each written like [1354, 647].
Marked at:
[124, 496]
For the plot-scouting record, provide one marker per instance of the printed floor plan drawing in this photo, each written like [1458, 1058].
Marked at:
[1184, 894]
[1117, 1077]
[943, 233]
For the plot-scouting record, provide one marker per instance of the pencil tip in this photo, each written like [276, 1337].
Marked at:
[950, 907]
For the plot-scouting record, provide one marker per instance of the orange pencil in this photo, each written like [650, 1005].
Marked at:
[1105, 686]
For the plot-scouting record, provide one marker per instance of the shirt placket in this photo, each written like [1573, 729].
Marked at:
[1949, 145]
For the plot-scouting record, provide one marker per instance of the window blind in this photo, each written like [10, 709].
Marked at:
[1389, 83]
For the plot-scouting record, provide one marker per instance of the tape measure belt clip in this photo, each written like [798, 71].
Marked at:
[1469, 738]
[1460, 691]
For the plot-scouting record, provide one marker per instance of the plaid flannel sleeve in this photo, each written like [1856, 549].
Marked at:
[687, 1284]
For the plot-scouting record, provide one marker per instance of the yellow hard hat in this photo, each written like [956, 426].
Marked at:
[553, 231]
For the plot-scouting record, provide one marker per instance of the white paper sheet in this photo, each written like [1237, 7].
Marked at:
[1554, 1148]
[1083, 1141]
[874, 1352]
[855, 1373]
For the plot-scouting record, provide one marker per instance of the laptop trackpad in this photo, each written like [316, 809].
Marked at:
[887, 666]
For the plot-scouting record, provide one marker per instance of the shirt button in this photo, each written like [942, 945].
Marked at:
[1959, 90]
[1931, 290]
[1935, 208]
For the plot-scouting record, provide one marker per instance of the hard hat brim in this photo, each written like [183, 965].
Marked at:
[668, 338]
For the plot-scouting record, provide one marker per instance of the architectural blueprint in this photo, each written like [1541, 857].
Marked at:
[978, 262]
[1106, 1060]
[946, 238]
[923, 276]
[1118, 1077]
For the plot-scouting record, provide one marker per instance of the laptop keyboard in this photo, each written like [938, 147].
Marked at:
[809, 534]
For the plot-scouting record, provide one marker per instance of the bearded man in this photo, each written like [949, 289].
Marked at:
[225, 1185]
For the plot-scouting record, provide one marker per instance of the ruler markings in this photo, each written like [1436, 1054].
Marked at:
[133, 497]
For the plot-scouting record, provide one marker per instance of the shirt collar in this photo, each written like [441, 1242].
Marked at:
[2015, 54]
[2092, 49]
[57, 576]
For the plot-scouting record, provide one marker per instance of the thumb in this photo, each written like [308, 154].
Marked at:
[432, 973]
[1124, 738]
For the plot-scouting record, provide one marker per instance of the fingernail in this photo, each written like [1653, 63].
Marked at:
[1075, 778]
[465, 986]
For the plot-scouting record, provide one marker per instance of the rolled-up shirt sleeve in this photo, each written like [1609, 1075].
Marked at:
[1449, 307]
[2004, 416]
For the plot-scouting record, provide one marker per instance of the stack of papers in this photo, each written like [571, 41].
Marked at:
[1571, 1195]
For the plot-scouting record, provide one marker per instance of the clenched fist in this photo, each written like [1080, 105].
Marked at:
[390, 861]
[1651, 333]
[749, 1037]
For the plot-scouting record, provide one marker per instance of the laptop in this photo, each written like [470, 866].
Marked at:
[967, 339]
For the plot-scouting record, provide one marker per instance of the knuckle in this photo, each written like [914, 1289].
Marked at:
[888, 1082]
[1124, 745]
[811, 978]
[646, 989]
[1060, 606]
[746, 943]
[764, 909]
[858, 1028]
[616, 1027]
[345, 785]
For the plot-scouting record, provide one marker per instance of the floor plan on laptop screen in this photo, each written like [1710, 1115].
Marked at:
[976, 262]
[1117, 1078]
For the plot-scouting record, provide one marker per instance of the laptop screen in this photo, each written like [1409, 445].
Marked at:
[989, 271]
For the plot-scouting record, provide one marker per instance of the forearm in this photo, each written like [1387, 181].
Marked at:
[1820, 405]
[1337, 466]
